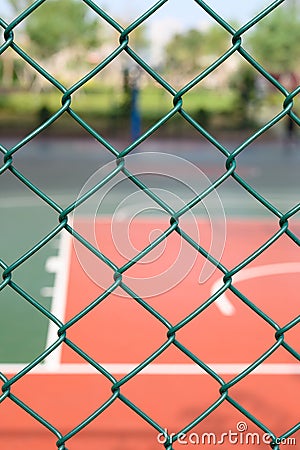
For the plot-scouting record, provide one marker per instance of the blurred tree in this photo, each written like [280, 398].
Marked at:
[216, 41]
[244, 84]
[60, 24]
[9, 59]
[58, 32]
[183, 53]
[190, 52]
[138, 39]
[275, 40]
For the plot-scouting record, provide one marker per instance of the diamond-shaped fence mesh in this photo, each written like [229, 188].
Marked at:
[64, 222]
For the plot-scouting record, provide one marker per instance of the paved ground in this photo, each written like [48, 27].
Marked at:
[61, 167]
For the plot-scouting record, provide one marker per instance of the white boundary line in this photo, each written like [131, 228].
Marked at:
[30, 201]
[224, 304]
[60, 265]
[156, 369]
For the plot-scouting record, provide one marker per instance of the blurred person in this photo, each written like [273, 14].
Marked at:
[290, 134]
[44, 114]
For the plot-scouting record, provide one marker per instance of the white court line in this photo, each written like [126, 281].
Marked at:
[32, 201]
[53, 365]
[47, 291]
[60, 265]
[224, 304]
[156, 369]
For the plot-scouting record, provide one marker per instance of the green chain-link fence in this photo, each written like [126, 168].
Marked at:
[63, 216]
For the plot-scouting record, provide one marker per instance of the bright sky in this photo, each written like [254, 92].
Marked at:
[187, 11]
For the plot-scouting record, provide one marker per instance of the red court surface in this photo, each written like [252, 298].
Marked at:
[119, 333]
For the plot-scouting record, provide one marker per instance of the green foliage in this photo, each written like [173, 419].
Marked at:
[183, 52]
[138, 39]
[60, 24]
[243, 84]
[188, 53]
[103, 101]
[216, 40]
[275, 40]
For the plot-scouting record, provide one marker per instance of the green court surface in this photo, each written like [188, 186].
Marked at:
[23, 329]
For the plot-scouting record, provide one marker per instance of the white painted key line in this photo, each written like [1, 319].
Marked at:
[224, 304]
[155, 369]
